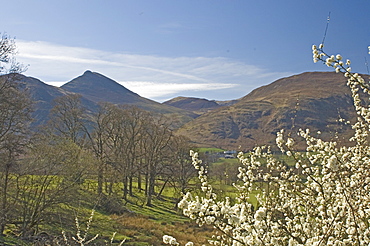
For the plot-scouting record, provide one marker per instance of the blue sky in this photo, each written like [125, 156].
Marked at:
[160, 49]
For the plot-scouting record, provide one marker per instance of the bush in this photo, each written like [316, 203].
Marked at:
[324, 199]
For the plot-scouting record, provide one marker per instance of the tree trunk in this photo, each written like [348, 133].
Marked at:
[150, 191]
[100, 181]
[130, 186]
[125, 188]
[146, 184]
[4, 198]
[139, 182]
[163, 186]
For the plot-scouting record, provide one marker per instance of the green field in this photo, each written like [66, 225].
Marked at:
[131, 219]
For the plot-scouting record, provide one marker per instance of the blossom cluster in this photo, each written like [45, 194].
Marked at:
[331, 61]
[322, 197]
[170, 240]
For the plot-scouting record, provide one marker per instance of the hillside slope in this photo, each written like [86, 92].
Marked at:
[311, 100]
[196, 105]
[43, 96]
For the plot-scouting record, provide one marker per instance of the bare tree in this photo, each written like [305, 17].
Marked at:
[156, 152]
[180, 170]
[135, 124]
[15, 115]
[49, 174]
[98, 137]
[67, 117]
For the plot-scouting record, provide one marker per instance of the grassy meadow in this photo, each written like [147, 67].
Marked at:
[132, 220]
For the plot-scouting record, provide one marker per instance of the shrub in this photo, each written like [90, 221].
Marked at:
[324, 199]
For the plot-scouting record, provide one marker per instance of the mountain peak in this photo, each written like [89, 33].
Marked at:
[87, 72]
[93, 85]
[94, 78]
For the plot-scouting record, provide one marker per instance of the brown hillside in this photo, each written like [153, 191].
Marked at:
[196, 105]
[311, 100]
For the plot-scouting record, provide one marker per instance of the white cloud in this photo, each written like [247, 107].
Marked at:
[160, 90]
[164, 76]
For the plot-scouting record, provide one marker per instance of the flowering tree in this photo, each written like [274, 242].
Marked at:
[322, 199]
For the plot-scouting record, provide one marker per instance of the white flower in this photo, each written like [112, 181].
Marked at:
[279, 139]
[170, 240]
[260, 214]
[329, 61]
[333, 163]
[290, 142]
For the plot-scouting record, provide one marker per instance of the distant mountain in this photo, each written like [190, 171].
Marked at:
[95, 88]
[197, 105]
[227, 103]
[99, 88]
[310, 100]
[43, 96]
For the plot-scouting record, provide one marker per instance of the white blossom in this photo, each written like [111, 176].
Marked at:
[323, 199]
[169, 240]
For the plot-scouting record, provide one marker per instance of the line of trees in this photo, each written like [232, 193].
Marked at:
[113, 146]
[131, 143]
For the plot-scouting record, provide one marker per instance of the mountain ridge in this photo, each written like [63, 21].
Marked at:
[308, 100]
[198, 106]
[95, 88]
[99, 88]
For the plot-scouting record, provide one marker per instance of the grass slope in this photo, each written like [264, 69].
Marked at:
[130, 220]
[310, 100]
